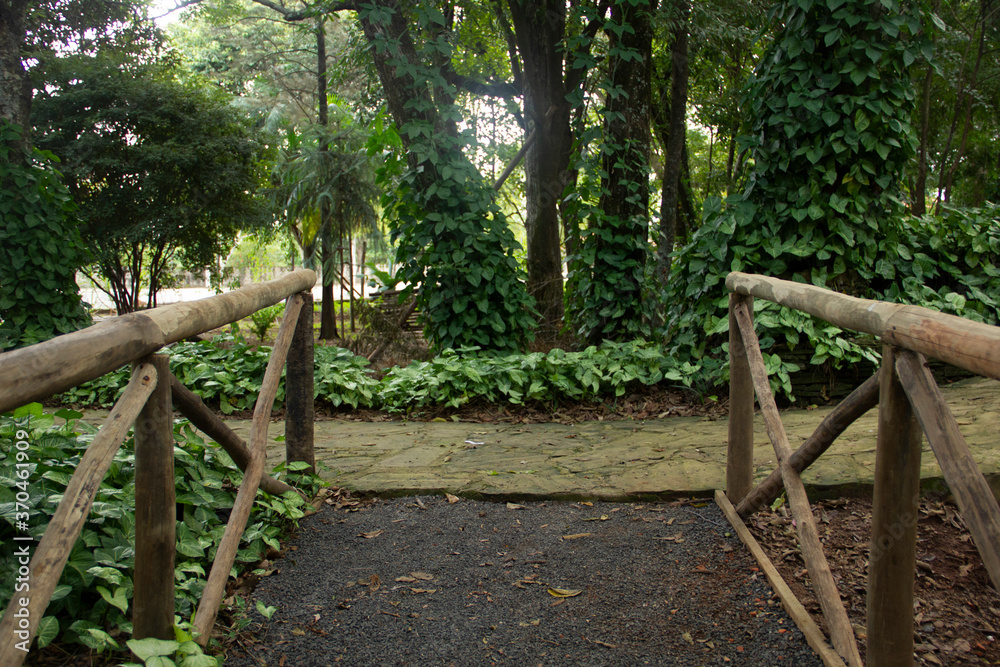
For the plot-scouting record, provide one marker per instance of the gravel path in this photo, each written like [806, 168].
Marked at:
[421, 581]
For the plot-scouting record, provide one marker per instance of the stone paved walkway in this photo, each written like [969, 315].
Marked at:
[609, 460]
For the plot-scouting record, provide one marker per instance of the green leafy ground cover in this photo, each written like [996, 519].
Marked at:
[230, 371]
[91, 604]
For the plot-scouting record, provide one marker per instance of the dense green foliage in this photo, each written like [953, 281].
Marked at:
[454, 243]
[162, 172]
[830, 136]
[230, 372]
[40, 248]
[91, 604]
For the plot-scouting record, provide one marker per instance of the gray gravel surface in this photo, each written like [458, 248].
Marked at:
[421, 581]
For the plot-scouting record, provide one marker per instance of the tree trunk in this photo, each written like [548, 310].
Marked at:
[918, 206]
[675, 142]
[539, 30]
[968, 107]
[15, 89]
[327, 317]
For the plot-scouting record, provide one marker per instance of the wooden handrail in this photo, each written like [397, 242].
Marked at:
[909, 402]
[970, 345]
[41, 370]
[38, 371]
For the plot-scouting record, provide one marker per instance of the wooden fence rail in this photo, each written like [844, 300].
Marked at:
[910, 404]
[38, 371]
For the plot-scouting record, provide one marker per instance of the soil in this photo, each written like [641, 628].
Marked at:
[426, 581]
[656, 402]
[957, 609]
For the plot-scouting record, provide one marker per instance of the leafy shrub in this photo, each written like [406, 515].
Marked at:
[231, 372]
[342, 378]
[40, 248]
[263, 319]
[458, 377]
[91, 603]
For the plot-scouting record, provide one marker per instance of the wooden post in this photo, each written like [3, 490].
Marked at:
[299, 408]
[155, 511]
[739, 458]
[841, 632]
[892, 551]
[64, 529]
[971, 490]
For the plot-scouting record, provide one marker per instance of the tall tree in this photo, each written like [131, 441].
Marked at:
[552, 57]
[327, 192]
[39, 32]
[676, 133]
[610, 272]
[454, 241]
[162, 172]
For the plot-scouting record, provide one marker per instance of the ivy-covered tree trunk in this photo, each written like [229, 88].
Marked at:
[829, 118]
[40, 248]
[454, 245]
[613, 304]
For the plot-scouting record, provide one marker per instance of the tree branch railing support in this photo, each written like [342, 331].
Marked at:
[910, 405]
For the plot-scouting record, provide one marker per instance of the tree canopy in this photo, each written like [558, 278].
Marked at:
[162, 171]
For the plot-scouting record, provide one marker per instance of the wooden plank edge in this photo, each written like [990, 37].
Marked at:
[814, 636]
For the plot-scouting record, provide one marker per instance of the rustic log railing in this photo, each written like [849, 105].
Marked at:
[909, 400]
[39, 371]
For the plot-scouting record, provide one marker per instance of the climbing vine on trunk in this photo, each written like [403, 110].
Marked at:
[455, 247]
[829, 136]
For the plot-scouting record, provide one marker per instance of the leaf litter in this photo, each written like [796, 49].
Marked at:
[956, 607]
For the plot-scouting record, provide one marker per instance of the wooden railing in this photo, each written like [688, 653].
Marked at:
[39, 371]
[909, 401]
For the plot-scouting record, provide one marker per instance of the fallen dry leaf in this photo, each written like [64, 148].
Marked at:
[423, 590]
[374, 533]
[563, 592]
[603, 517]
[451, 499]
[600, 643]
[405, 579]
[576, 536]
[515, 506]
[686, 636]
